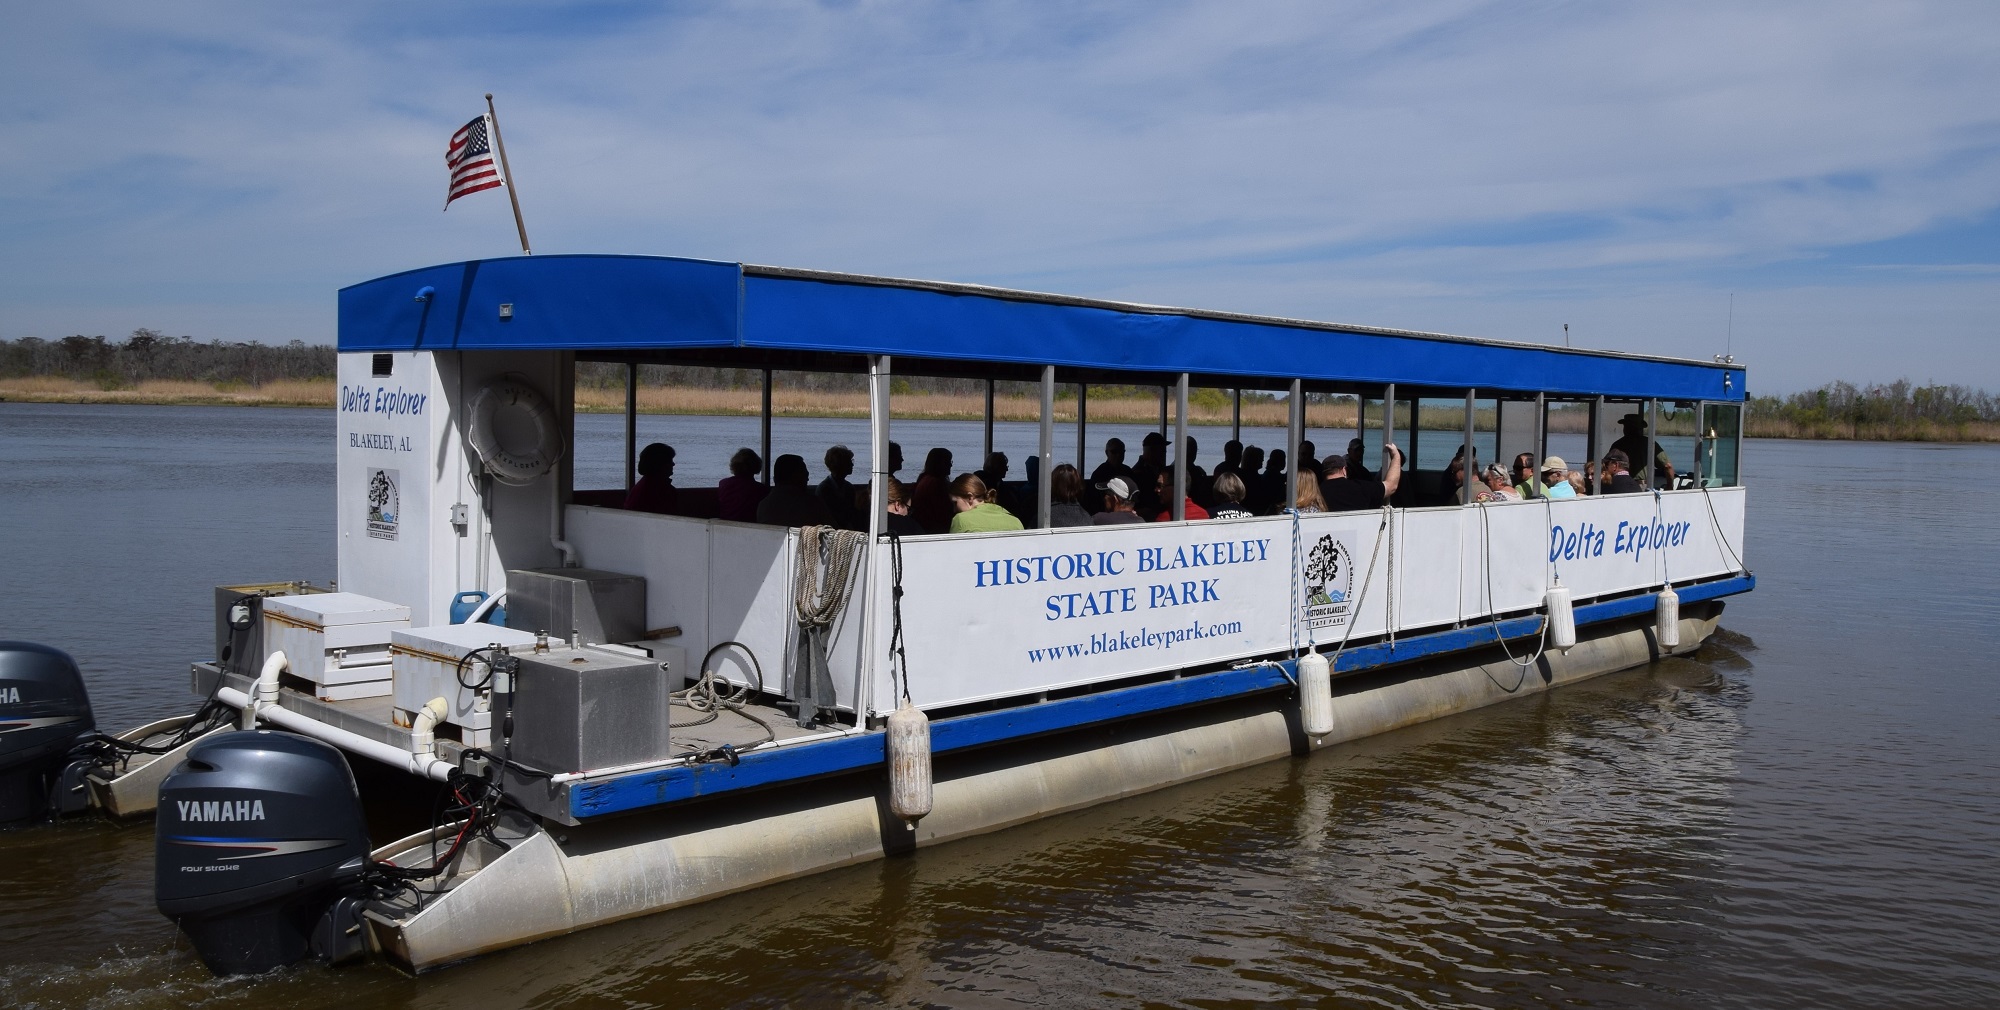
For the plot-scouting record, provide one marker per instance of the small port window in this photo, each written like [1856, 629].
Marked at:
[385, 365]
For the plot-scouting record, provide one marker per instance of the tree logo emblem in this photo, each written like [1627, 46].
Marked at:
[384, 504]
[1329, 580]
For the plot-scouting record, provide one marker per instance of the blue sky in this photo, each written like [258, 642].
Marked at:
[1493, 169]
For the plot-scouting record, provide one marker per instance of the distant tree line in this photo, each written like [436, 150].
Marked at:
[1899, 402]
[150, 354]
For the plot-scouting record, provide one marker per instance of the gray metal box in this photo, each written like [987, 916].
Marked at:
[599, 606]
[579, 709]
[240, 648]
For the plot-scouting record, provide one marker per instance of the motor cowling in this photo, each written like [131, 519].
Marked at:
[43, 709]
[259, 835]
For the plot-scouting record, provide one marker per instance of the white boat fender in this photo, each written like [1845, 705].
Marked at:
[1315, 694]
[909, 763]
[1667, 618]
[264, 693]
[1562, 619]
[513, 464]
[423, 728]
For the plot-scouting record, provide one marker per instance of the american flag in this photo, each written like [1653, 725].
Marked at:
[470, 159]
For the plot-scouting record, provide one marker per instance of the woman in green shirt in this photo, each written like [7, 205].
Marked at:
[978, 512]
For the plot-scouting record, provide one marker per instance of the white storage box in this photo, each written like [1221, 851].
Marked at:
[337, 641]
[426, 662]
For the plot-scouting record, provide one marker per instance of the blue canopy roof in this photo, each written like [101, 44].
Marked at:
[628, 304]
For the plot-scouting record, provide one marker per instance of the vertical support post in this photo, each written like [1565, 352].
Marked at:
[878, 446]
[1180, 447]
[1236, 416]
[878, 510]
[1082, 443]
[1596, 412]
[764, 428]
[1295, 432]
[988, 451]
[1042, 500]
[1163, 411]
[631, 424]
[1467, 474]
[1652, 445]
[1541, 429]
[1388, 424]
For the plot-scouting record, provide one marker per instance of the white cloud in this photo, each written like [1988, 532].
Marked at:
[1493, 166]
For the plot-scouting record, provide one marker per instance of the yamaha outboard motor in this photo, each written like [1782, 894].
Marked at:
[43, 709]
[258, 836]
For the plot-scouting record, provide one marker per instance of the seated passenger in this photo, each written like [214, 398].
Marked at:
[1197, 478]
[1618, 477]
[654, 492]
[737, 495]
[1117, 504]
[898, 520]
[1341, 491]
[792, 501]
[977, 511]
[1065, 487]
[1227, 488]
[838, 492]
[1232, 459]
[1526, 485]
[930, 503]
[1163, 491]
[1267, 496]
[1497, 488]
[1309, 499]
[1309, 460]
[1555, 477]
[1355, 449]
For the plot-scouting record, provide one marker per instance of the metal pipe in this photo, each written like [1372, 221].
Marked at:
[1082, 443]
[1236, 416]
[1541, 430]
[1596, 414]
[426, 765]
[1295, 427]
[1163, 411]
[1180, 448]
[1466, 472]
[764, 429]
[1652, 445]
[1042, 493]
[1389, 424]
[879, 386]
[631, 424]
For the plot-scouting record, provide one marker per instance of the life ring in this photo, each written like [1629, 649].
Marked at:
[509, 464]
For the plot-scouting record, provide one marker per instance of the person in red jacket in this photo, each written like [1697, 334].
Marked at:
[1163, 485]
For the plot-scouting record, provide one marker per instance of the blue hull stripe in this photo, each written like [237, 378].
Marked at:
[787, 764]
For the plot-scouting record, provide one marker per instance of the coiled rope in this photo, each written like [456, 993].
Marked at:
[822, 580]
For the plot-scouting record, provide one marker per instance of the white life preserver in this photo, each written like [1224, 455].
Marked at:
[511, 464]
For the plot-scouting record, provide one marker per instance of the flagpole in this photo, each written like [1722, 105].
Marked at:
[501, 146]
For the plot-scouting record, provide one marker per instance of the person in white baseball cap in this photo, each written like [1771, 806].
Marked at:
[1117, 503]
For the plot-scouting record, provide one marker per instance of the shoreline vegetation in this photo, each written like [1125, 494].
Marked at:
[152, 368]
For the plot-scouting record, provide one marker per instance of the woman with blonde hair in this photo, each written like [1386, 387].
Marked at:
[1309, 500]
[978, 512]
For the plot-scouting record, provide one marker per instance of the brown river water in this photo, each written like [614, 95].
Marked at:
[1806, 813]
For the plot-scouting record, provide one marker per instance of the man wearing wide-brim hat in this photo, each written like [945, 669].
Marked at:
[1555, 474]
[1635, 446]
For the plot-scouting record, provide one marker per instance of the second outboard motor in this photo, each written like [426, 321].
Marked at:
[258, 834]
[43, 709]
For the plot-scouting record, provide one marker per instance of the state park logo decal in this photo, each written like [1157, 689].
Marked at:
[1329, 583]
[385, 504]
